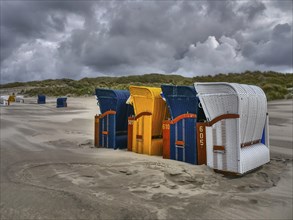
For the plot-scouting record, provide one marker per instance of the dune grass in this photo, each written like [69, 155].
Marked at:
[276, 85]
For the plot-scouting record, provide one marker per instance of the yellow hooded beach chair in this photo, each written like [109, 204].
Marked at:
[145, 128]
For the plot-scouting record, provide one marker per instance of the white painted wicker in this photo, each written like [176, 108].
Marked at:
[19, 98]
[4, 100]
[239, 136]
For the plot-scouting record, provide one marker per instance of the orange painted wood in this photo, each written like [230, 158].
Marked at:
[180, 117]
[166, 140]
[96, 131]
[201, 143]
[130, 133]
[217, 147]
[138, 136]
[142, 114]
[179, 143]
[110, 112]
[221, 117]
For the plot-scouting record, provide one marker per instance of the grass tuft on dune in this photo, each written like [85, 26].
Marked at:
[276, 85]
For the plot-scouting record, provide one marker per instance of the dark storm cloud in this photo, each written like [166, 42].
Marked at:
[22, 21]
[53, 39]
[253, 9]
[283, 5]
[276, 51]
[141, 34]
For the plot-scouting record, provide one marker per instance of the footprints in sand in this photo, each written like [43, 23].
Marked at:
[103, 195]
[274, 179]
[158, 183]
[147, 180]
[73, 132]
[89, 143]
[73, 144]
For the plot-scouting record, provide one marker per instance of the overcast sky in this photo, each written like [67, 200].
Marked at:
[76, 39]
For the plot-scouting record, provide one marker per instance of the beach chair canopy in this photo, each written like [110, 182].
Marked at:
[62, 102]
[4, 100]
[148, 99]
[231, 98]
[115, 100]
[19, 98]
[41, 99]
[11, 98]
[4, 97]
[180, 99]
[241, 136]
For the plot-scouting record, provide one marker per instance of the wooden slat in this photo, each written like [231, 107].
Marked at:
[222, 117]
[247, 144]
[166, 140]
[107, 113]
[201, 143]
[180, 117]
[138, 136]
[97, 128]
[130, 133]
[179, 143]
[218, 147]
[142, 114]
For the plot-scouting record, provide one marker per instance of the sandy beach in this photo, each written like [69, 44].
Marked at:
[50, 170]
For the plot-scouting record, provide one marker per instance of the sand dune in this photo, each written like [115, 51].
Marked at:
[50, 170]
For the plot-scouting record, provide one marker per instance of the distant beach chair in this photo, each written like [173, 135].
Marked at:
[19, 99]
[11, 98]
[179, 133]
[61, 102]
[111, 123]
[41, 99]
[145, 128]
[237, 116]
[4, 101]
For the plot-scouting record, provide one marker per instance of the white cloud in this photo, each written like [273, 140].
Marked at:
[77, 39]
[32, 61]
[213, 56]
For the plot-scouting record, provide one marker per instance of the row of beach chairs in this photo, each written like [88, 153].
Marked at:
[223, 125]
[61, 102]
[6, 100]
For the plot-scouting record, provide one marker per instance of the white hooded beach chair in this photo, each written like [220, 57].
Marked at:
[19, 98]
[237, 121]
[4, 100]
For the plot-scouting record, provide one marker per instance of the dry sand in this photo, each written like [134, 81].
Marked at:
[50, 170]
